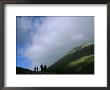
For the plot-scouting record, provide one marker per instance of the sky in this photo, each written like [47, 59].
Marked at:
[45, 39]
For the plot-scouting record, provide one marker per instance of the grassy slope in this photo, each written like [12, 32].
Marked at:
[76, 61]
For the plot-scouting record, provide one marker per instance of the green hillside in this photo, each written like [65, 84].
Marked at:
[80, 60]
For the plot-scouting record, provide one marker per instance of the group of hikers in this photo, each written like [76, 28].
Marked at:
[43, 68]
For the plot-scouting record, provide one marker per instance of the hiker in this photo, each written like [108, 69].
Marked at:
[45, 68]
[35, 69]
[41, 67]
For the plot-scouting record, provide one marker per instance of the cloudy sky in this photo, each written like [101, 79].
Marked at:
[44, 40]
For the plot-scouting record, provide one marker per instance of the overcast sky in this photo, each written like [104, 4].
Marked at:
[44, 40]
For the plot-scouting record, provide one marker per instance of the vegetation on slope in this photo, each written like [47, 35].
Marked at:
[78, 61]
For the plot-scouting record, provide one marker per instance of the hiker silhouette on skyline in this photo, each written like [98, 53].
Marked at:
[35, 69]
[41, 67]
[45, 68]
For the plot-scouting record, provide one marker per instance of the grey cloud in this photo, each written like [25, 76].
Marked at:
[56, 36]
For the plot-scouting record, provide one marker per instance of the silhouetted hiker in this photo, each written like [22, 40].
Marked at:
[45, 68]
[35, 69]
[41, 67]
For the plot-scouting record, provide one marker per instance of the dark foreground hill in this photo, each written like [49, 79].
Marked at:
[20, 70]
[80, 60]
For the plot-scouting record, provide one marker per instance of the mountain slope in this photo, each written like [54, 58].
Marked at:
[80, 60]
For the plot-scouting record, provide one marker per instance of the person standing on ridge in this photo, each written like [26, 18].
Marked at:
[37, 69]
[41, 68]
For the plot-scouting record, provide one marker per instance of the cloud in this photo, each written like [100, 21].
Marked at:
[26, 27]
[47, 39]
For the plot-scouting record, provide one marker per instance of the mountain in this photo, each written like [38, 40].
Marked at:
[79, 60]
